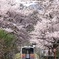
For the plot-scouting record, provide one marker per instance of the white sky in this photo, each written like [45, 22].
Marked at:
[18, 1]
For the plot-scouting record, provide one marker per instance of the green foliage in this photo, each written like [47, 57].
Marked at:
[8, 38]
[17, 56]
[36, 56]
[57, 53]
[7, 42]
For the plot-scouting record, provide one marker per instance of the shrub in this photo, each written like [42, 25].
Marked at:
[7, 43]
